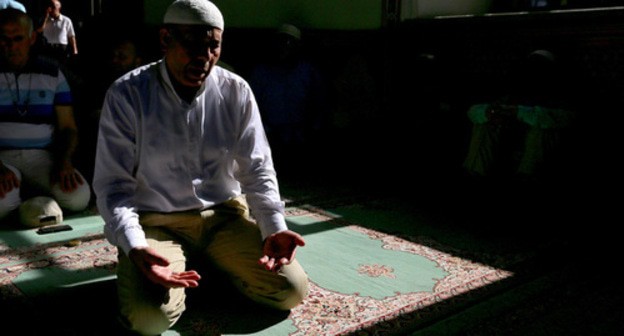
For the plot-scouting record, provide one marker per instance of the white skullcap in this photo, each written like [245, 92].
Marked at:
[543, 53]
[40, 211]
[14, 4]
[291, 30]
[194, 12]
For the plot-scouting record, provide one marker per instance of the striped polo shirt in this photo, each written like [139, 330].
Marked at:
[27, 101]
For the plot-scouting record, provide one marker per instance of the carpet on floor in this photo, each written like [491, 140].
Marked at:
[363, 279]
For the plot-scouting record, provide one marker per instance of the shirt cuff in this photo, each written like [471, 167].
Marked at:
[131, 238]
[271, 223]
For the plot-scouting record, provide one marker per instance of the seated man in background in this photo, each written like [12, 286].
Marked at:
[520, 134]
[291, 96]
[38, 133]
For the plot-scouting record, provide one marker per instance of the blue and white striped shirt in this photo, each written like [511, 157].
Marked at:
[27, 101]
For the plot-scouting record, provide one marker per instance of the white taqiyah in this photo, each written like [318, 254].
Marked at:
[40, 211]
[291, 30]
[194, 12]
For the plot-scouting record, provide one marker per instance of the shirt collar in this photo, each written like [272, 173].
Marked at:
[164, 74]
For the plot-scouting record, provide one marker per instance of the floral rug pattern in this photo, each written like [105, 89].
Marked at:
[330, 313]
[88, 254]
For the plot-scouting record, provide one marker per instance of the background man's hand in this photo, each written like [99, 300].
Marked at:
[8, 180]
[67, 177]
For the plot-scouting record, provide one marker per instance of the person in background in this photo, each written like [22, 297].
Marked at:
[124, 54]
[38, 133]
[58, 30]
[292, 97]
[520, 134]
[183, 170]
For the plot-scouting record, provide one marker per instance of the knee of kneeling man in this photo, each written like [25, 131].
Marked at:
[9, 202]
[78, 200]
[149, 322]
[296, 294]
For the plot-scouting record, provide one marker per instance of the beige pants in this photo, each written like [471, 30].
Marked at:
[226, 237]
[33, 168]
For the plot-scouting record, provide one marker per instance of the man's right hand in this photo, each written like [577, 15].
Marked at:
[8, 180]
[155, 268]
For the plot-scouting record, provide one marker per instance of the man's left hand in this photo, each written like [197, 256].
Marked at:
[279, 249]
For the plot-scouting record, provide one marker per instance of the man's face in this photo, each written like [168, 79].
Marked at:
[124, 58]
[15, 43]
[191, 51]
[55, 9]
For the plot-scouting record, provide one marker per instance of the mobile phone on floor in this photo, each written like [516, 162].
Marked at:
[54, 228]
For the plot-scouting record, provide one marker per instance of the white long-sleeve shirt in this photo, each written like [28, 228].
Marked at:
[156, 152]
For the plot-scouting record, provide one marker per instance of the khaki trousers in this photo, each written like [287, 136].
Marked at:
[224, 236]
[33, 168]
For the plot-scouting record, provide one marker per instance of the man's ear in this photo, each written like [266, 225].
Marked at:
[165, 39]
[33, 37]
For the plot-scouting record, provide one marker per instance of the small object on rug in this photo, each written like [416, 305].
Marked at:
[73, 243]
[54, 228]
